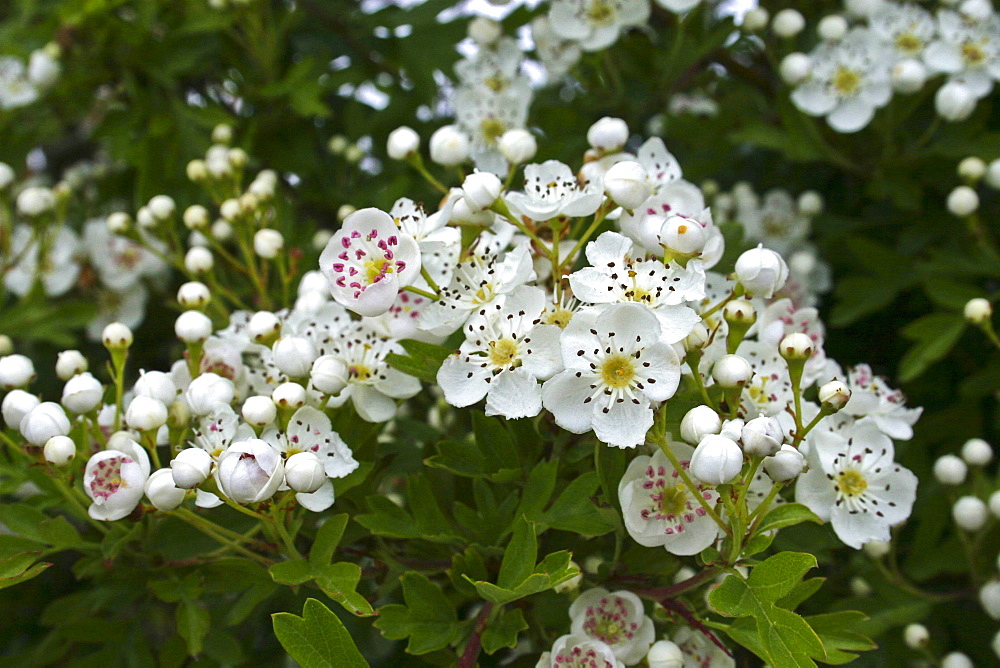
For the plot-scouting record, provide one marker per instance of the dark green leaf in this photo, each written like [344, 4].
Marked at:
[317, 639]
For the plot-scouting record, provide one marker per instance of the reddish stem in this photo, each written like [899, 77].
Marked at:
[472, 647]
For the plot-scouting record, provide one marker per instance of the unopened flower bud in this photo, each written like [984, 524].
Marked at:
[755, 20]
[699, 422]
[16, 405]
[908, 76]
[221, 230]
[198, 260]
[788, 23]
[963, 201]
[916, 636]
[573, 583]
[955, 101]
[950, 470]
[156, 384]
[345, 210]
[784, 465]
[993, 174]
[44, 421]
[402, 142]
[329, 374]
[810, 203]
[608, 134]
[250, 471]
[978, 311]
[162, 492]
[193, 327]
[289, 396]
[145, 218]
[193, 295]
[834, 395]
[35, 201]
[762, 436]
[320, 239]
[716, 460]
[484, 31]
[82, 393]
[196, 217]
[264, 327]
[796, 347]
[517, 146]
[739, 312]
[237, 157]
[832, 28]
[481, 190]
[222, 134]
[449, 146]
[761, 271]
[697, 339]
[59, 450]
[231, 210]
[732, 371]
[627, 184]
[190, 467]
[69, 363]
[969, 513]
[665, 654]
[7, 176]
[197, 171]
[162, 207]
[957, 660]
[877, 549]
[795, 68]
[118, 222]
[259, 411]
[972, 169]
[267, 243]
[977, 452]
[989, 597]
[145, 414]
[294, 355]
[304, 472]
[337, 144]
[860, 587]
[16, 371]
[209, 391]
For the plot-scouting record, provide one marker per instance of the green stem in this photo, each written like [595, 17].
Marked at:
[423, 293]
[430, 281]
[210, 530]
[67, 491]
[288, 540]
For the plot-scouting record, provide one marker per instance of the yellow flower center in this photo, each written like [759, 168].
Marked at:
[674, 501]
[617, 371]
[608, 630]
[846, 81]
[601, 12]
[503, 352]
[973, 54]
[492, 129]
[559, 317]
[360, 372]
[376, 268]
[909, 43]
[495, 84]
[851, 483]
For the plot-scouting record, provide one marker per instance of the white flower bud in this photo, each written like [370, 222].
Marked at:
[762, 436]
[6, 345]
[463, 212]
[250, 471]
[198, 260]
[69, 363]
[237, 158]
[59, 450]
[832, 28]
[972, 168]
[739, 312]
[190, 467]
[860, 587]
[7, 176]
[162, 207]
[449, 146]
[116, 336]
[193, 295]
[950, 470]
[82, 393]
[145, 414]
[963, 201]
[16, 371]
[259, 411]
[118, 222]
[608, 134]
[222, 134]
[996, 644]
[699, 422]
[977, 452]
[264, 327]
[665, 654]
[294, 356]
[162, 492]
[193, 327]
[810, 203]
[762, 272]
[35, 201]
[481, 190]
[289, 395]
[627, 184]
[755, 20]
[784, 465]
[329, 374]
[954, 101]
[876, 549]
[969, 513]
[484, 31]
[353, 153]
[337, 144]
[796, 347]
[788, 23]
[916, 636]
[834, 395]
[573, 583]
[16, 405]
[304, 472]
[989, 597]
[957, 660]
[221, 230]
[993, 174]
[795, 68]
[196, 217]
[145, 218]
[517, 146]
[267, 243]
[262, 189]
[209, 391]
[231, 209]
[197, 171]
[978, 311]
[697, 339]
[402, 142]
[44, 421]
[731, 372]
[320, 239]
[908, 76]
[717, 460]
[156, 384]
[344, 211]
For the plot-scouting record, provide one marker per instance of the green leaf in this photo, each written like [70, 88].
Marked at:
[339, 581]
[935, 335]
[785, 637]
[317, 639]
[800, 593]
[786, 515]
[292, 572]
[193, 623]
[327, 539]
[494, 442]
[538, 490]
[428, 618]
[553, 570]
[838, 632]
[421, 361]
[575, 510]
[519, 557]
[502, 631]
[20, 568]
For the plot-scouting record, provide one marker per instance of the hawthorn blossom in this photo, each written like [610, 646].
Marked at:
[699, 650]
[616, 619]
[579, 651]
[660, 510]
[505, 353]
[596, 24]
[557, 54]
[57, 270]
[968, 51]
[439, 244]
[906, 28]
[115, 480]
[310, 430]
[250, 471]
[854, 483]
[871, 397]
[551, 190]
[368, 261]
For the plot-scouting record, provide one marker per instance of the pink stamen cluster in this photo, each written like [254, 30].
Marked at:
[609, 609]
[579, 657]
[656, 484]
[361, 254]
[108, 477]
